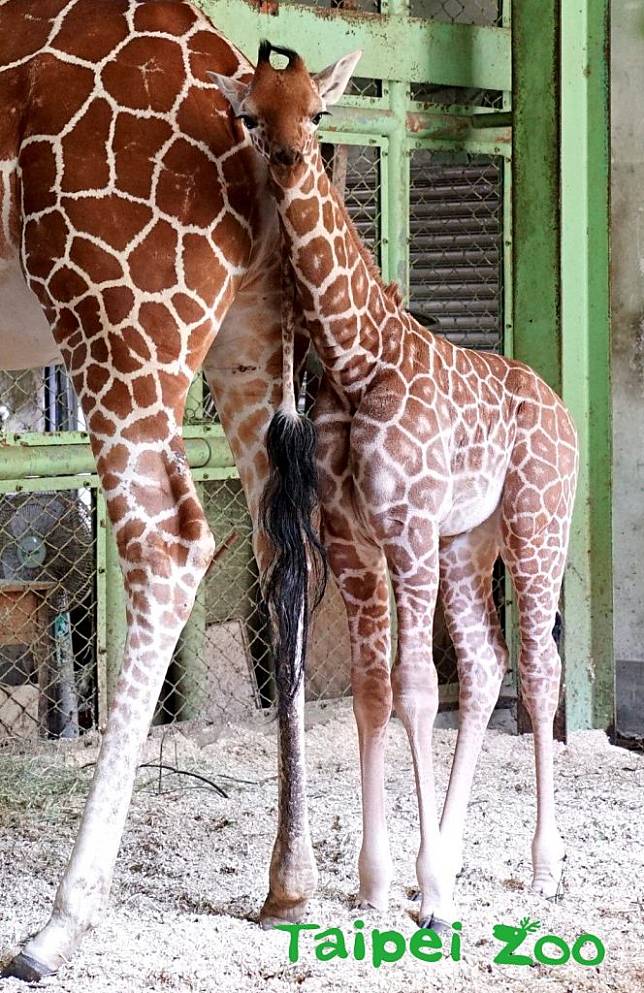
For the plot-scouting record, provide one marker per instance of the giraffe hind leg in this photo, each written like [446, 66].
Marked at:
[536, 566]
[165, 547]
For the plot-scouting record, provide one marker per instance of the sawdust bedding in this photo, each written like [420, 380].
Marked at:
[192, 870]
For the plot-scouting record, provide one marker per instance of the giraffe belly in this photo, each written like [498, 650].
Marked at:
[474, 501]
[25, 336]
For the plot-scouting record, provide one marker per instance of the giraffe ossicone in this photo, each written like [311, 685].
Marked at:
[433, 461]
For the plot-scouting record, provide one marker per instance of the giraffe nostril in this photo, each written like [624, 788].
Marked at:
[286, 156]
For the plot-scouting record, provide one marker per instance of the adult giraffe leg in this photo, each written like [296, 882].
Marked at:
[467, 562]
[244, 368]
[165, 547]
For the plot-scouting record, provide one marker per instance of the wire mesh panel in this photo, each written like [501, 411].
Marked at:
[434, 94]
[355, 172]
[48, 675]
[479, 12]
[40, 400]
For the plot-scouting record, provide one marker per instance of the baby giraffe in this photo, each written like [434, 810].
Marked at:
[433, 461]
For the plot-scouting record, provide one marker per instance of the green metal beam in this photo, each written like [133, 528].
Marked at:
[20, 461]
[398, 182]
[395, 46]
[585, 165]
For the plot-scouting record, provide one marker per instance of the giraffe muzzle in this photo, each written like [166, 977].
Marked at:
[286, 157]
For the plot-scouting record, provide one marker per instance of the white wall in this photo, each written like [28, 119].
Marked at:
[627, 112]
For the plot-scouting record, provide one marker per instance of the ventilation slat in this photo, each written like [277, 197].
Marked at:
[455, 247]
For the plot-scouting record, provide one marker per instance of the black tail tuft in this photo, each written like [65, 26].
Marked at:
[558, 630]
[288, 506]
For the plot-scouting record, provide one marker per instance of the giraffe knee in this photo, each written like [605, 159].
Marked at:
[415, 694]
[166, 556]
[540, 676]
[372, 698]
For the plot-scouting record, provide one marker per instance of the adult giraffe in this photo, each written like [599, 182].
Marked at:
[433, 460]
[135, 226]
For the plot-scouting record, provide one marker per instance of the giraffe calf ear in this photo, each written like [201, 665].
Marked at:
[234, 91]
[333, 81]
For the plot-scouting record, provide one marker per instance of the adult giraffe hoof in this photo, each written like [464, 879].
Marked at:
[440, 927]
[279, 913]
[26, 968]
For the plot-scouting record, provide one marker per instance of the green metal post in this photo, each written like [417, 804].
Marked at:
[561, 328]
[101, 605]
[398, 173]
[535, 217]
[190, 672]
[535, 185]
[585, 150]
[115, 620]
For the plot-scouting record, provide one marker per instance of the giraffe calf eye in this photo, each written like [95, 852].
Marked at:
[318, 117]
[248, 121]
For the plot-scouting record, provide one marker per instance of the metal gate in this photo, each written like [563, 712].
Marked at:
[426, 144]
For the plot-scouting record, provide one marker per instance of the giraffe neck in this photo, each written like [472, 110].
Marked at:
[343, 298]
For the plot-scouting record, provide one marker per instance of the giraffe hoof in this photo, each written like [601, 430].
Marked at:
[440, 927]
[550, 884]
[273, 913]
[362, 904]
[26, 968]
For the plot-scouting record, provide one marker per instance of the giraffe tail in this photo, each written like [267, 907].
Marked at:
[289, 508]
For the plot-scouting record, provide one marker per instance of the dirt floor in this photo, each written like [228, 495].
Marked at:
[192, 871]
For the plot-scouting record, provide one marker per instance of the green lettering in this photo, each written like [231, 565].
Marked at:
[359, 950]
[551, 939]
[455, 947]
[591, 939]
[294, 931]
[424, 943]
[513, 938]
[330, 945]
[379, 942]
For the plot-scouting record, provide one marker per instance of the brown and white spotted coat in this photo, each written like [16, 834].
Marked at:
[434, 460]
[137, 240]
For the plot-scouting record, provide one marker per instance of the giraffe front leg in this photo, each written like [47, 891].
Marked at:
[361, 573]
[165, 547]
[467, 563]
[243, 370]
[415, 692]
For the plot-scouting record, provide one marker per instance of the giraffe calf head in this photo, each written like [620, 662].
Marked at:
[282, 108]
